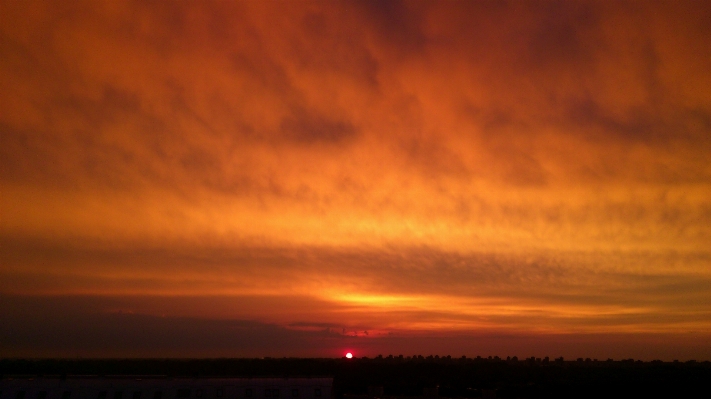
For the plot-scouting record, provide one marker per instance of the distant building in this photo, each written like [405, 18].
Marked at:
[142, 387]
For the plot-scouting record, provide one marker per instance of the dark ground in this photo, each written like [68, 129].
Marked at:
[456, 377]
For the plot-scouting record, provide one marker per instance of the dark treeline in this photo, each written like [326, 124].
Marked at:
[455, 377]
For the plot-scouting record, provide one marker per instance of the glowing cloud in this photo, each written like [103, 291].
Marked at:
[417, 169]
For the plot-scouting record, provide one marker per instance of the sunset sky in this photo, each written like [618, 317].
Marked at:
[293, 178]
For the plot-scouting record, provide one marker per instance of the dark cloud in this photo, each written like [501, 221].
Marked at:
[59, 326]
[112, 106]
[305, 127]
[564, 33]
[632, 125]
[316, 325]
[397, 23]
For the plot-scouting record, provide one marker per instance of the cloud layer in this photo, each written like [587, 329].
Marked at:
[402, 168]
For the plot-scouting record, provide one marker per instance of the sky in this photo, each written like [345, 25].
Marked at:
[293, 178]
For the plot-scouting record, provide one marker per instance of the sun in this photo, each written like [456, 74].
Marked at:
[349, 355]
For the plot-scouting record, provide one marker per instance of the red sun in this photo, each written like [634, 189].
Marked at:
[349, 355]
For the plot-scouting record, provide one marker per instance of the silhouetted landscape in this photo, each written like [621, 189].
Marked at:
[411, 376]
[218, 199]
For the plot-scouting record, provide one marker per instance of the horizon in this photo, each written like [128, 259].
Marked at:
[389, 357]
[251, 179]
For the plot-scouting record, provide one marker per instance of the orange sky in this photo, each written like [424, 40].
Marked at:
[479, 178]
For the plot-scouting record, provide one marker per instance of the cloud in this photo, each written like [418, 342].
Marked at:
[75, 326]
[410, 165]
[400, 289]
[306, 128]
[58, 326]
